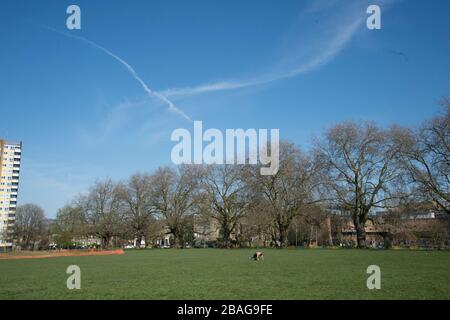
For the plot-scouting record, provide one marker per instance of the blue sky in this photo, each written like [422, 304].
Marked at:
[299, 66]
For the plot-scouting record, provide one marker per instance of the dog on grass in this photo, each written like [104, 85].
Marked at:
[258, 255]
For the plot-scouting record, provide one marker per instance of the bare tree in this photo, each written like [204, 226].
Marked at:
[102, 207]
[360, 161]
[29, 226]
[174, 195]
[138, 208]
[258, 225]
[227, 196]
[290, 190]
[426, 157]
[205, 228]
[72, 220]
[154, 231]
[70, 223]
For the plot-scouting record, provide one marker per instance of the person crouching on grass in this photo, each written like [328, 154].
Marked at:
[258, 255]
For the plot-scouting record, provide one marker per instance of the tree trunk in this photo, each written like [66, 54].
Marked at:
[226, 237]
[175, 230]
[138, 241]
[330, 237]
[105, 241]
[283, 236]
[228, 227]
[360, 233]
[176, 238]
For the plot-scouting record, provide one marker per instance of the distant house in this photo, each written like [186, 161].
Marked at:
[165, 240]
[429, 215]
[375, 232]
[87, 242]
[419, 229]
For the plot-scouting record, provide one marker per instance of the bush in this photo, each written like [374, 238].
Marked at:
[387, 244]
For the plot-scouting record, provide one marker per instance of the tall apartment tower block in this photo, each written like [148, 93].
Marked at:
[10, 155]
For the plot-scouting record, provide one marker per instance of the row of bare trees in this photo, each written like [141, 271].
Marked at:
[353, 169]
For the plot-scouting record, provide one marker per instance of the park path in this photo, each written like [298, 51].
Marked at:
[68, 253]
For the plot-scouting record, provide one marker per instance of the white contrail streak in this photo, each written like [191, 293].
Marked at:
[329, 53]
[131, 71]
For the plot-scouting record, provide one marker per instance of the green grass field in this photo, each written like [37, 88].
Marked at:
[229, 274]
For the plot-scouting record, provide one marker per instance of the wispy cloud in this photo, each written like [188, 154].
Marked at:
[321, 42]
[335, 46]
[130, 70]
[115, 119]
